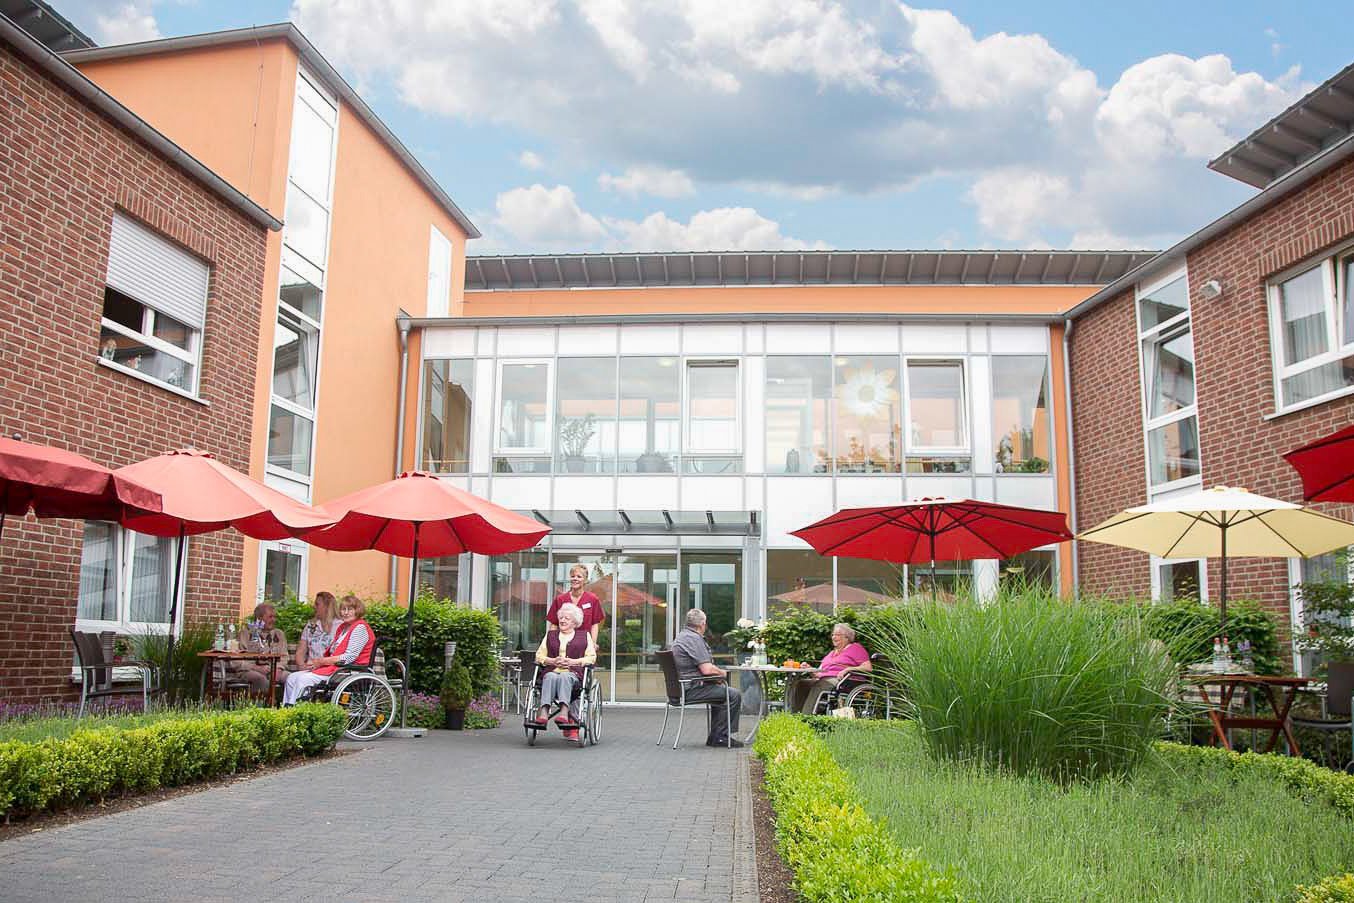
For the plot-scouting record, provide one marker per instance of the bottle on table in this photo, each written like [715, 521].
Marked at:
[232, 644]
[1217, 653]
[219, 644]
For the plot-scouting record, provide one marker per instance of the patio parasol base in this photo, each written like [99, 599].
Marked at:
[406, 733]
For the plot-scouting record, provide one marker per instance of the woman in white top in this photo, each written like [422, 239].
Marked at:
[318, 632]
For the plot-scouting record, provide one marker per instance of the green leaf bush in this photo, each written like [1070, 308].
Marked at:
[476, 634]
[1305, 780]
[1190, 627]
[90, 765]
[1339, 889]
[837, 852]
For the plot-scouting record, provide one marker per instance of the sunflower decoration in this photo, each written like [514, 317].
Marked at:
[868, 393]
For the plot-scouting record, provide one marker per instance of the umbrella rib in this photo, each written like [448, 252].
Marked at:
[1108, 526]
[381, 532]
[837, 545]
[1325, 489]
[451, 525]
[1268, 526]
[1193, 519]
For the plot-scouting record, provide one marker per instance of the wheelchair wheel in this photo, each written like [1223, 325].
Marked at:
[595, 716]
[868, 700]
[370, 705]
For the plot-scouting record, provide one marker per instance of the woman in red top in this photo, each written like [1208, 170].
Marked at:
[587, 602]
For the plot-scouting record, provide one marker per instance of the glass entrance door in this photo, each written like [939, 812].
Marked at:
[713, 581]
[646, 596]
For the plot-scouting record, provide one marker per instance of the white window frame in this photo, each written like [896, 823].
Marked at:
[992, 358]
[287, 547]
[1296, 610]
[1158, 563]
[521, 451]
[123, 557]
[1154, 335]
[965, 398]
[192, 356]
[1332, 288]
[713, 361]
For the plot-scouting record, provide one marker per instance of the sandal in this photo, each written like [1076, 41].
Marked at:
[571, 734]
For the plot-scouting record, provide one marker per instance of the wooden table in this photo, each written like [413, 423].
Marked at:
[219, 655]
[1228, 684]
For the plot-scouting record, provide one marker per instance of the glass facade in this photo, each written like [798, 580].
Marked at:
[798, 579]
[1020, 414]
[585, 415]
[798, 395]
[448, 390]
[650, 423]
[867, 412]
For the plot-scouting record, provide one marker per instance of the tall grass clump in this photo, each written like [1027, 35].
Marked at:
[1032, 684]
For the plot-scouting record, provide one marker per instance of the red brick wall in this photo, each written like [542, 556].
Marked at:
[65, 169]
[1234, 383]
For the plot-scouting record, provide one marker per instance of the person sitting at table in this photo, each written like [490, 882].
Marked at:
[588, 604]
[564, 652]
[354, 643]
[319, 630]
[691, 654]
[846, 656]
[268, 638]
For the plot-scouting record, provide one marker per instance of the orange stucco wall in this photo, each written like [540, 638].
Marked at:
[1058, 370]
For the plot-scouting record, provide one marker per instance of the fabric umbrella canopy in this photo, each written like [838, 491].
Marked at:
[935, 529]
[822, 594]
[1326, 467]
[418, 515]
[53, 482]
[1223, 523]
[202, 495]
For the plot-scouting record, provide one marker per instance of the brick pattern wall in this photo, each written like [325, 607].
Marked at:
[1240, 444]
[65, 169]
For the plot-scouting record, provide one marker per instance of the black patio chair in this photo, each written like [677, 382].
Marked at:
[677, 687]
[96, 672]
[1336, 708]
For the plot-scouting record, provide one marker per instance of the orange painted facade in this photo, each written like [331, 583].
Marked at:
[231, 107]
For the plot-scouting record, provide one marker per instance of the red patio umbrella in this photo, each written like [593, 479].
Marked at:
[1326, 467]
[53, 482]
[202, 495]
[935, 529]
[416, 514]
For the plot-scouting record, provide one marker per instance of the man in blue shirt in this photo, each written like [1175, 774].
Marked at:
[692, 655]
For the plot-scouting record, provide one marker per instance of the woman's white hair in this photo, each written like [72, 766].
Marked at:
[572, 612]
[847, 631]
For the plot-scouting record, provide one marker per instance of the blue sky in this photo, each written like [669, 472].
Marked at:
[597, 125]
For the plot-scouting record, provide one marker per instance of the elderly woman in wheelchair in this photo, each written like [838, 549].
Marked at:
[847, 661]
[562, 656]
[354, 643]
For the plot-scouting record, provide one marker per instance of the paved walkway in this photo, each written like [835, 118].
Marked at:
[450, 816]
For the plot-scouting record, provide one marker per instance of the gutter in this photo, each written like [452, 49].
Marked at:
[1175, 255]
[1068, 325]
[402, 323]
[70, 78]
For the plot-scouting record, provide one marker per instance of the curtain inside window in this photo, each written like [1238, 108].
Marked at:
[98, 574]
[152, 578]
[1303, 308]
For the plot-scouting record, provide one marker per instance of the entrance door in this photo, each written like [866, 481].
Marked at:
[646, 596]
[713, 581]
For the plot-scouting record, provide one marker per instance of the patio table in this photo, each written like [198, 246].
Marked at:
[1227, 685]
[220, 655]
[763, 674]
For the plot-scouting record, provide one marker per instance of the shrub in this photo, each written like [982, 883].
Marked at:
[837, 852]
[475, 633]
[1031, 683]
[184, 680]
[1306, 780]
[424, 710]
[292, 617]
[92, 764]
[483, 713]
[1189, 628]
[1332, 890]
[456, 690]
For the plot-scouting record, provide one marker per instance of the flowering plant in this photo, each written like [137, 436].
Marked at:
[483, 712]
[423, 710]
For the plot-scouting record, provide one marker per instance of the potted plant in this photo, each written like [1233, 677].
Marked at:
[574, 434]
[456, 695]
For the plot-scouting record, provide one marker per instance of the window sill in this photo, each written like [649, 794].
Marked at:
[138, 375]
[1310, 403]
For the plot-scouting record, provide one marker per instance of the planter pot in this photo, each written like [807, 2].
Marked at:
[455, 719]
[574, 463]
[652, 462]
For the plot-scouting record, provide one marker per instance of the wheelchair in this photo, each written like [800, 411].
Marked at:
[587, 702]
[366, 693]
[858, 691]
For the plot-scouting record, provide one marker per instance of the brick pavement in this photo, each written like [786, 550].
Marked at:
[451, 816]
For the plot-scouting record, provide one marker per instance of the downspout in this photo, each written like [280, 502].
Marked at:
[1071, 453]
[402, 322]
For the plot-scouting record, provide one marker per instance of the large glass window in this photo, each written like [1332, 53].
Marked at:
[524, 417]
[1020, 425]
[299, 293]
[155, 345]
[862, 582]
[1032, 569]
[1170, 372]
[447, 394]
[651, 414]
[935, 397]
[520, 593]
[713, 437]
[713, 581]
[440, 576]
[867, 413]
[1173, 451]
[798, 393]
[1163, 304]
[289, 440]
[1167, 348]
[798, 579]
[1312, 326]
[585, 415]
[295, 353]
[126, 579]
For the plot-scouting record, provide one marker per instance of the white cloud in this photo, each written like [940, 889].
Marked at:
[529, 159]
[123, 22]
[538, 218]
[650, 180]
[806, 98]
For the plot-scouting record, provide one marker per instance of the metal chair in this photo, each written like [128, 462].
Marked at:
[96, 672]
[677, 687]
[1336, 707]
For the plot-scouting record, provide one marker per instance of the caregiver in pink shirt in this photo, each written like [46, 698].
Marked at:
[846, 656]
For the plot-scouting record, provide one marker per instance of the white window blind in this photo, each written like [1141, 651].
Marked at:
[439, 274]
[157, 272]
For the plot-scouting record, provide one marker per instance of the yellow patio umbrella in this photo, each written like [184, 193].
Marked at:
[1223, 522]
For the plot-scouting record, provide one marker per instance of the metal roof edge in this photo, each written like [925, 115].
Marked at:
[63, 72]
[766, 317]
[1174, 255]
[322, 68]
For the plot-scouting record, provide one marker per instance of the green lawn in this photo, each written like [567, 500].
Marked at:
[1166, 834]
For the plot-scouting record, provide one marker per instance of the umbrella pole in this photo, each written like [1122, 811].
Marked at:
[174, 608]
[1222, 606]
[409, 631]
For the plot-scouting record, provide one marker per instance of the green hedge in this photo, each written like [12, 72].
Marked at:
[93, 764]
[1306, 780]
[1186, 618]
[837, 852]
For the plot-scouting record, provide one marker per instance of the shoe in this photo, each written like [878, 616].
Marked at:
[735, 743]
[571, 734]
[563, 718]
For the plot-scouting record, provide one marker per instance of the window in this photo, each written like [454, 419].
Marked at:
[295, 353]
[523, 417]
[585, 415]
[298, 292]
[1169, 412]
[650, 414]
[713, 436]
[447, 394]
[439, 274]
[798, 579]
[1312, 330]
[282, 569]
[125, 580]
[867, 413]
[520, 593]
[798, 394]
[440, 576]
[1020, 413]
[937, 417]
[154, 307]
[1177, 580]
[289, 440]
[1032, 569]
